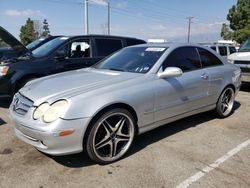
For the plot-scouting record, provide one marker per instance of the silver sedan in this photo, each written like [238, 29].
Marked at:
[101, 109]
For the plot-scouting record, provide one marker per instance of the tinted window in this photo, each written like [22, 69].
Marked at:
[245, 47]
[213, 47]
[186, 58]
[131, 42]
[134, 59]
[232, 49]
[107, 46]
[223, 50]
[48, 47]
[208, 59]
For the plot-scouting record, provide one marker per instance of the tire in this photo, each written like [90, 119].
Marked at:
[225, 103]
[111, 136]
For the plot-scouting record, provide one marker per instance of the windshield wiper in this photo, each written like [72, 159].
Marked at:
[114, 69]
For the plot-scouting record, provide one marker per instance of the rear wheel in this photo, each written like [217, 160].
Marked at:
[225, 103]
[111, 136]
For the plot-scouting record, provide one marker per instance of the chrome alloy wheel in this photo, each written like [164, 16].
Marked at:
[226, 101]
[112, 136]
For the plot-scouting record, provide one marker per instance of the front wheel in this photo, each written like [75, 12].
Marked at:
[225, 103]
[111, 136]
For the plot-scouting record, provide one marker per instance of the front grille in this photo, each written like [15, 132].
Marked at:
[242, 62]
[21, 104]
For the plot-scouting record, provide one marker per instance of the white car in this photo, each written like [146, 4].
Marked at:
[242, 59]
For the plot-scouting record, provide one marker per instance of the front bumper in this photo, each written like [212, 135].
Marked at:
[46, 138]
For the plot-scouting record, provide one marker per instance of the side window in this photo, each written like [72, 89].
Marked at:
[79, 49]
[186, 58]
[232, 49]
[107, 46]
[223, 50]
[208, 59]
[213, 48]
[131, 42]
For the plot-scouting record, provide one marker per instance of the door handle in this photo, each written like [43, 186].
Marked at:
[205, 76]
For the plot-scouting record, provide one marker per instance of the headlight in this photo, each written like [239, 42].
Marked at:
[3, 70]
[40, 111]
[50, 113]
[230, 61]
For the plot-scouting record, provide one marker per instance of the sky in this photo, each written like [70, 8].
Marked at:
[145, 19]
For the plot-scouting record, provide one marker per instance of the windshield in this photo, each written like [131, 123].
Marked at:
[48, 47]
[133, 59]
[245, 46]
[35, 43]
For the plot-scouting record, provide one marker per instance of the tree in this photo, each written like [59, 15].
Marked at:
[239, 18]
[45, 31]
[226, 33]
[27, 32]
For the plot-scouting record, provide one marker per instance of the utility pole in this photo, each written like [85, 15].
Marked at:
[189, 26]
[108, 18]
[86, 17]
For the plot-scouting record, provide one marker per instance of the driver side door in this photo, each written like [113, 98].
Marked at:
[188, 92]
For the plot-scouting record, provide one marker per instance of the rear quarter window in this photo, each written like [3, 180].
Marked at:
[107, 46]
[208, 59]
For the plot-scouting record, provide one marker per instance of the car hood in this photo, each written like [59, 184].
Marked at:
[69, 84]
[241, 56]
[13, 42]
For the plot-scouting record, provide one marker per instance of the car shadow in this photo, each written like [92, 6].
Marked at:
[170, 129]
[74, 160]
[5, 103]
[245, 87]
[2, 122]
[81, 160]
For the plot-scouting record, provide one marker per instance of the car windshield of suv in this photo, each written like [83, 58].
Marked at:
[245, 46]
[35, 43]
[48, 47]
[134, 59]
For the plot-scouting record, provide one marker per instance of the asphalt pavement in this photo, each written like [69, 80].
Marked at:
[198, 151]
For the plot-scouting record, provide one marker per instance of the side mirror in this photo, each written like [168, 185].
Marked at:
[170, 72]
[60, 54]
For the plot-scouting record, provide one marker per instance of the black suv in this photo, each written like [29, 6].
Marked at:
[9, 53]
[58, 55]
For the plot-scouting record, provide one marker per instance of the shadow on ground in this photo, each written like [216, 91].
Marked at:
[2, 122]
[142, 141]
[245, 87]
[5, 103]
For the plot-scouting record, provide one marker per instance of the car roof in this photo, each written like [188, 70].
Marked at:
[104, 36]
[169, 45]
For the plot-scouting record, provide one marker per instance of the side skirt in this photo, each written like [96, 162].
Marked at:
[174, 118]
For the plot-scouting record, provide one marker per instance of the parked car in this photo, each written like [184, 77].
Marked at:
[223, 49]
[58, 55]
[242, 59]
[101, 109]
[9, 53]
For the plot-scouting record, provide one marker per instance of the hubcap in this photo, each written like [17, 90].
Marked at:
[113, 136]
[227, 100]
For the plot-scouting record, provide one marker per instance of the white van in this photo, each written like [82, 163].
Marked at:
[242, 59]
